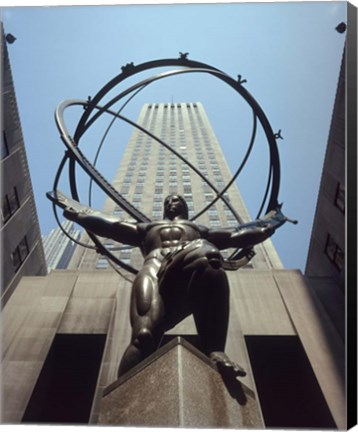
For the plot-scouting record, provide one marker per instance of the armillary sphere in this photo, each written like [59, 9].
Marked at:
[96, 107]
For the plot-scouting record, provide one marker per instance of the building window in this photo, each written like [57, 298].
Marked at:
[102, 263]
[208, 197]
[232, 223]
[188, 198]
[10, 204]
[125, 254]
[230, 216]
[157, 214]
[334, 252]
[213, 212]
[109, 245]
[339, 200]
[4, 146]
[20, 253]
[118, 211]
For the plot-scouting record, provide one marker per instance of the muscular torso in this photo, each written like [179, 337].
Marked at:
[165, 236]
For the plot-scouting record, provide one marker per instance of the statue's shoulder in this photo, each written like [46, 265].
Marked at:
[201, 229]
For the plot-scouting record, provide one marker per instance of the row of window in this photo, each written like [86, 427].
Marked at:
[172, 106]
[164, 156]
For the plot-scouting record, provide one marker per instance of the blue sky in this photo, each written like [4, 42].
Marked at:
[289, 53]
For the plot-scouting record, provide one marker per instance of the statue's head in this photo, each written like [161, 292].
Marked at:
[174, 206]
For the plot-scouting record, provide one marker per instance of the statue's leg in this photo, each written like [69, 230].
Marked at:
[193, 281]
[146, 314]
[209, 292]
[210, 299]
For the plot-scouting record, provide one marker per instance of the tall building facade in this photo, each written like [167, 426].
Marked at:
[326, 255]
[148, 172]
[58, 247]
[22, 250]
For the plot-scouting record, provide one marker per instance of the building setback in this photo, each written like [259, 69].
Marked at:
[22, 251]
[279, 332]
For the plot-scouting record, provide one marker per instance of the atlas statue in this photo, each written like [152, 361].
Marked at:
[182, 274]
[184, 271]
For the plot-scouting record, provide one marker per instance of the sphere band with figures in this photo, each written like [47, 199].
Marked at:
[94, 109]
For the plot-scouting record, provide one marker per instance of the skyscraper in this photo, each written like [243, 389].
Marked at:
[22, 251]
[186, 129]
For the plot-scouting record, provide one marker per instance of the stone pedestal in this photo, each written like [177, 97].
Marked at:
[178, 387]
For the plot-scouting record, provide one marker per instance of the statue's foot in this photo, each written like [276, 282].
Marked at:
[225, 365]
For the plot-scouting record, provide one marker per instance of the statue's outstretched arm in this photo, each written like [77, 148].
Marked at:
[250, 234]
[105, 225]
[97, 222]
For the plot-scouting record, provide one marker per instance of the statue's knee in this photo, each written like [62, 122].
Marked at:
[212, 255]
[144, 339]
[214, 258]
[144, 288]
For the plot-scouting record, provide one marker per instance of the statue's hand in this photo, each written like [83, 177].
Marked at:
[275, 218]
[70, 213]
[73, 214]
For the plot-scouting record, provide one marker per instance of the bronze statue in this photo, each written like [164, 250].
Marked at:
[182, 274]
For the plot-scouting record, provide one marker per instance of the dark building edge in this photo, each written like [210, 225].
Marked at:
[351, 257]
